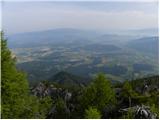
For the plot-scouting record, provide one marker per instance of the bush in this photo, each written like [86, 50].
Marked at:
[92, 113]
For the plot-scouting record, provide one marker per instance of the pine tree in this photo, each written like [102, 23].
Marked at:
[14, 85]
[98, 94]
[128, 92]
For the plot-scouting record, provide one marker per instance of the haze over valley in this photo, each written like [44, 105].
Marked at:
[43, 54]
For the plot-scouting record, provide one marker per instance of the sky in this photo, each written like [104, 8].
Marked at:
[27, 16]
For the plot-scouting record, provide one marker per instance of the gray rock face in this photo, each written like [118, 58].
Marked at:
[67, 95]
[140, 112]
[41, 90]
[143, 112]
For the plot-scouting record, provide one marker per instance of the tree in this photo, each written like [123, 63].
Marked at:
[16, 102]
[92, 113]
[44, 106]
[127, 92]
[155, 110]
[14, 85]
[98, 94]
[61, 110]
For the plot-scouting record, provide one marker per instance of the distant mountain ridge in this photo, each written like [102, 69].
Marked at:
[55, 36]
[62, 36]
[147, 45]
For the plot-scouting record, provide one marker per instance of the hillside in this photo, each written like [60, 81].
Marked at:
[101, 48]
[145, 45]
[152, 81]
[143, 94]
[68, 79]
[49, 37]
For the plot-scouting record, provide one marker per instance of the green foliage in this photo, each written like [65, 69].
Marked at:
[37, 108]
[14, 85]
[46, 83]
[129, 114]
[67, 79]
[127, 89]
[15, 99]
[61, 109]
[128, 92]
[153, 102]
[32, 110]
[154, 97]
[98, 94]
[153, 80]
[155, 109]
[45, 105]
[92, 113]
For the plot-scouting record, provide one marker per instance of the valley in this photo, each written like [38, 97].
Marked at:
[89, 56]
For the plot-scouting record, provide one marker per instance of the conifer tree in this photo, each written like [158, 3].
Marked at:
[14, 85]
[99, 94]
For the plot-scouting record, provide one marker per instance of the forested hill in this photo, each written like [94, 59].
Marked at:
[68, 79]
[150, 81]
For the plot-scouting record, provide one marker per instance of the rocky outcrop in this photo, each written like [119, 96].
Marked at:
[140, 112]
[42, 90]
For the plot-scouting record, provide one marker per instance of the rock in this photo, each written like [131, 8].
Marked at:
[140, 112]
[68, 96]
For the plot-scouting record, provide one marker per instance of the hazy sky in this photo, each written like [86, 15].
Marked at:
[34, 16]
